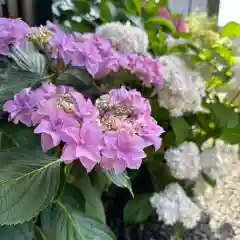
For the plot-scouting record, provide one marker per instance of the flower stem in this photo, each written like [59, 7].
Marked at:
[179, 231]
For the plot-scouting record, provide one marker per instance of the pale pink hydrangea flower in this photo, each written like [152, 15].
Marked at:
[127, 129]
[56, 111]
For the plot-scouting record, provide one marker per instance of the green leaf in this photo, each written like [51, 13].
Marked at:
[137, 4]
[82, 6]
[93, 204]
[108, 11]
[138, 209]
[14, 80]
[225, 116]
[231, 135]
[163, 3]
[79, 79]
[29, 59]
[120, 179]
[150, 7]
[23, 173]
[159, 21]
[23, 231]
[180, 128]
[133, 6]
[64, 220]
[17, 135]
[82, 26]
[169, 139]
[99, 180]
[231, 29]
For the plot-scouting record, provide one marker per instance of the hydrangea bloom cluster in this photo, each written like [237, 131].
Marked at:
[219, 160]
[60, 114]
[112, 133]
[128, 128]
[183, 89]
[123, 37]
[97, 55]
[184, 161]
[222, 202]
[173, 205]
[13, 31]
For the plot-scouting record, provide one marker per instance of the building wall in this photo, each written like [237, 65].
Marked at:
[185, 6]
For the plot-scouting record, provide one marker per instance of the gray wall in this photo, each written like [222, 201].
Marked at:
[183, 6]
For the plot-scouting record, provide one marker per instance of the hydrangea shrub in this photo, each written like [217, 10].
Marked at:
[83, 111]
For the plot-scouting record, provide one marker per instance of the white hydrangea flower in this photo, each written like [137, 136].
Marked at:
[222, 203]
[219, 160]
[184, 161]
[125, 38]
[173, 205]
[183, 88]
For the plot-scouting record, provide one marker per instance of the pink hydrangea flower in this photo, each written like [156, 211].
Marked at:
[13, 31]
[99, 58]
[21, 108]
[147, 69]
[62, 47]
[180, 24]
[83, 143]
[122, 150]
[62, 108]
[127, 128]
[163, 12]
[149, 131]
[50, 128]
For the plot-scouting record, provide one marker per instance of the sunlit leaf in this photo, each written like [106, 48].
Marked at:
[231, 29]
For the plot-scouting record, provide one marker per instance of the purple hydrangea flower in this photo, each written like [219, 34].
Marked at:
[62, 47]
[147, 69]
[47, 96]
[148, 129]
[92, 58]
[100, 58]
[46, 91]
[21, 108]
[13, 31]
[125, 116]
[82, 142]
[122, 150]
[52, 27]
[50, 128]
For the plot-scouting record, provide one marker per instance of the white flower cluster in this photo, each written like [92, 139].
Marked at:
[222, 203]
[125, 38]
[219, 160]
[184, 161]
[183, 88]
[173, 205]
